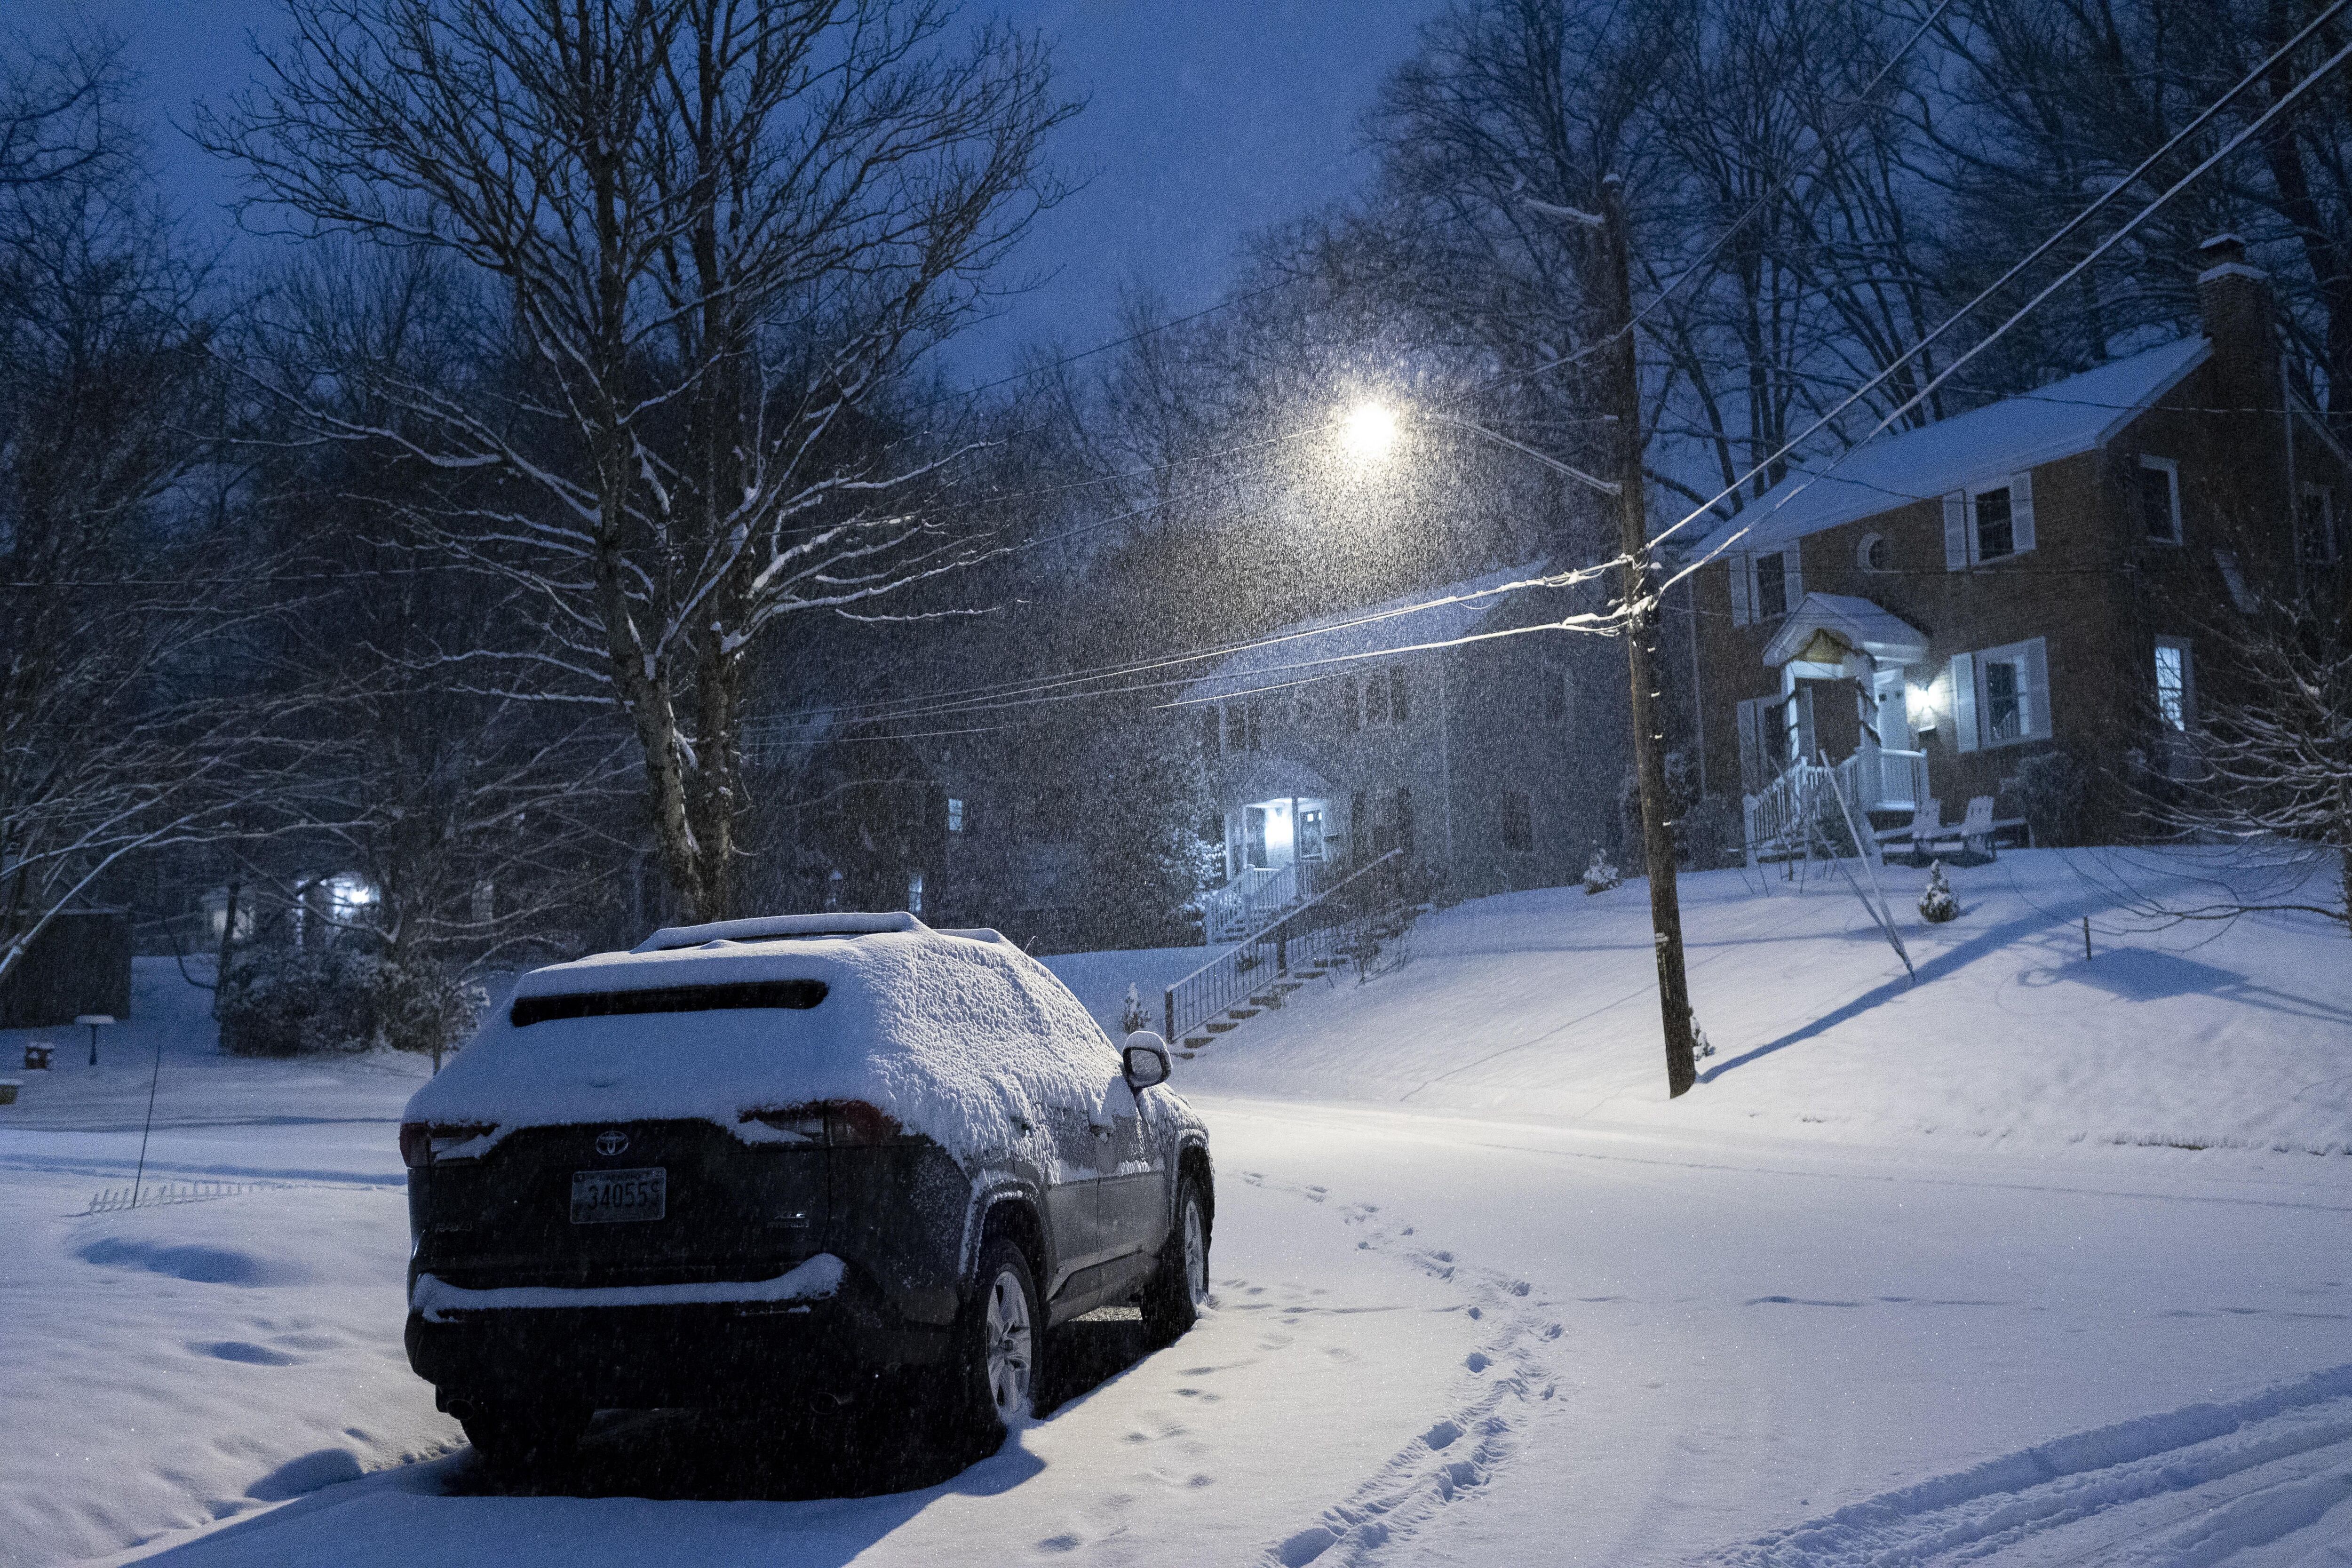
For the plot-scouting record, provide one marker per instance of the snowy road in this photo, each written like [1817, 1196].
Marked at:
[1439, 1339]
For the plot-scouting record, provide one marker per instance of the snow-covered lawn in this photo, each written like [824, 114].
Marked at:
[1916, 1274]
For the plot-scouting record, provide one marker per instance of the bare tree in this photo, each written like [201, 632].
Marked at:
[708, 232]
[124, 597]
[2262, 764]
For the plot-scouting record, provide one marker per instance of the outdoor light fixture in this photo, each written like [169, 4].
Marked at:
[96, 1021]
[1369, 432]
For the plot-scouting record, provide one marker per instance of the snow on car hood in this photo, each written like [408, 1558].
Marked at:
[968, 1042]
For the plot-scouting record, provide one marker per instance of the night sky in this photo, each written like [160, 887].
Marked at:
[1209, 118]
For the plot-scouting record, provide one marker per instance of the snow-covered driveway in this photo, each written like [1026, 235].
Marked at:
[1439, 1339]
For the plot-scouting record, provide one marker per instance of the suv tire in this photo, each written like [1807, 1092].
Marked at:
[999, 1347]
[517, 1440]
[1179, 1288]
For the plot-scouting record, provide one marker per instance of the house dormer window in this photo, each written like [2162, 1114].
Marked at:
[2160, 499]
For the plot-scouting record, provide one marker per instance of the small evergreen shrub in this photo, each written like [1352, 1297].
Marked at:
[1131, 1020]
[1937, 905]
[1600, 876]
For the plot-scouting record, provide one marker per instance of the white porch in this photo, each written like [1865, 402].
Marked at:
[1836, 644]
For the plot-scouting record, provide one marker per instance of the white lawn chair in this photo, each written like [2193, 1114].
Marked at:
[1972, 836]
[1927, 822]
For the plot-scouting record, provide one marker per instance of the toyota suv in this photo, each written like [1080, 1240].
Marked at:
[797, 1160]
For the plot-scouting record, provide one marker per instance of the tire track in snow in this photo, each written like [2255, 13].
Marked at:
[1463, 1449]
[2201, 1485]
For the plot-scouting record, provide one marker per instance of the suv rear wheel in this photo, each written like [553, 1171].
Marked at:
[1000, 1344]
[516, 1440]
[1180, 1287]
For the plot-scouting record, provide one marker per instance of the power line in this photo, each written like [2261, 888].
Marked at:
[2276, 107]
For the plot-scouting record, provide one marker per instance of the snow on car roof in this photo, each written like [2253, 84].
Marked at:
[964, 1040]
[2079, 413]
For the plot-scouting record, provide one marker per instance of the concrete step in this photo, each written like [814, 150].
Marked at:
[1221, 1026]
[1239, 1012]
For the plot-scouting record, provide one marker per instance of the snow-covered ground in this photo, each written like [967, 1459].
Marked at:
[1916, 1274]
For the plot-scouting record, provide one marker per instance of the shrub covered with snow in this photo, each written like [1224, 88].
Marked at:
[2049, 790]
[280, 1000]
[1131, 1016]
[1937, 905]
[1600, 876]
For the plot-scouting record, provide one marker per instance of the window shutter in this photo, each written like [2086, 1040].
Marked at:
[2021, 511]
[1400, 703]
[2036, 670]
[1803, 704]
[1964, 701]
[1743, 588]
[2187, 686]
[1792, 561]
[1956, 531]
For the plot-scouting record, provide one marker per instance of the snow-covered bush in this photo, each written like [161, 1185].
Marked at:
[1600, 876]
[1132, 1017]
[280, 1000]
[1937, 905]
[1711, 834]
[2049, 790]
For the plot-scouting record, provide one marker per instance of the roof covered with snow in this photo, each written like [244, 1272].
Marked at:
[962, 1039]
[1324, 646]
[2079, 413]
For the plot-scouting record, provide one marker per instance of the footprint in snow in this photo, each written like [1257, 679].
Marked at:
[1477, 1361]
[248, 1354]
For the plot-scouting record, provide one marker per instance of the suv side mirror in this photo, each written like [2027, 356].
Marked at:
[1145, 1059]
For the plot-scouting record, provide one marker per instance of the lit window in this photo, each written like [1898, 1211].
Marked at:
[2172, 679]
[914, 892]
[2160, 499]
[955, 814]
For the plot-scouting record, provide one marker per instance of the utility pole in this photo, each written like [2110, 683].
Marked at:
[1624, 396]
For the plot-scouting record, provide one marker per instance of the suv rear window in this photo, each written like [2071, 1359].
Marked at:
[799, 994]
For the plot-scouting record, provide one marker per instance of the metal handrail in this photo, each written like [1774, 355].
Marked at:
[1211, 989]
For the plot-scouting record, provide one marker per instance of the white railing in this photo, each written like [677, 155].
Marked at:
[1247, 901]
[1874, 779]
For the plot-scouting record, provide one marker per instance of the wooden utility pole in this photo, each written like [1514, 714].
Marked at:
[1624, 396]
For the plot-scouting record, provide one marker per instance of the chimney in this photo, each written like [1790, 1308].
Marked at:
[2234, 298]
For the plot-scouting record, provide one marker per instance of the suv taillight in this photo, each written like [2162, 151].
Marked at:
[423, 1142]
[844, 1123]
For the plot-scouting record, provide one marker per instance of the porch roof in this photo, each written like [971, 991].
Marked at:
[1276, 778]
[2080, 413]
[1858, 623]
[1333, 645]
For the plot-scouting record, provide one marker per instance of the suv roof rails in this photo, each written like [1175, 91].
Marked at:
[770, 928]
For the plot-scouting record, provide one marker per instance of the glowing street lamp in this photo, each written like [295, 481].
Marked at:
[1369, 432]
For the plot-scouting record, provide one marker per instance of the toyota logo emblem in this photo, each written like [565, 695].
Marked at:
[611, 1143]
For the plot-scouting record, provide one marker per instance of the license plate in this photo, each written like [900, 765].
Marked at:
[603, 1197]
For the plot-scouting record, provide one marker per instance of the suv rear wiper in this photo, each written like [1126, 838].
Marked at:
[798, 995]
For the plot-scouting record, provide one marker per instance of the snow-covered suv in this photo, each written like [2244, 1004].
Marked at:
[788, 1160]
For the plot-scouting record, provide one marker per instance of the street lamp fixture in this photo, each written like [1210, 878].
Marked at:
[1369, 432]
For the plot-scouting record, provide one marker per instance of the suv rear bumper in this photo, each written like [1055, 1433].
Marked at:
[697, 1353]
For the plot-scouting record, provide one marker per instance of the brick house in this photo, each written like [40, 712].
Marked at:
[1494, 765]
[2022, 578]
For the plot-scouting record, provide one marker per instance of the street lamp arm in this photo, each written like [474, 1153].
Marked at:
[1606, 487]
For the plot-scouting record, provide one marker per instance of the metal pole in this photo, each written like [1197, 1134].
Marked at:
[1640, 650]
[140, 1173]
